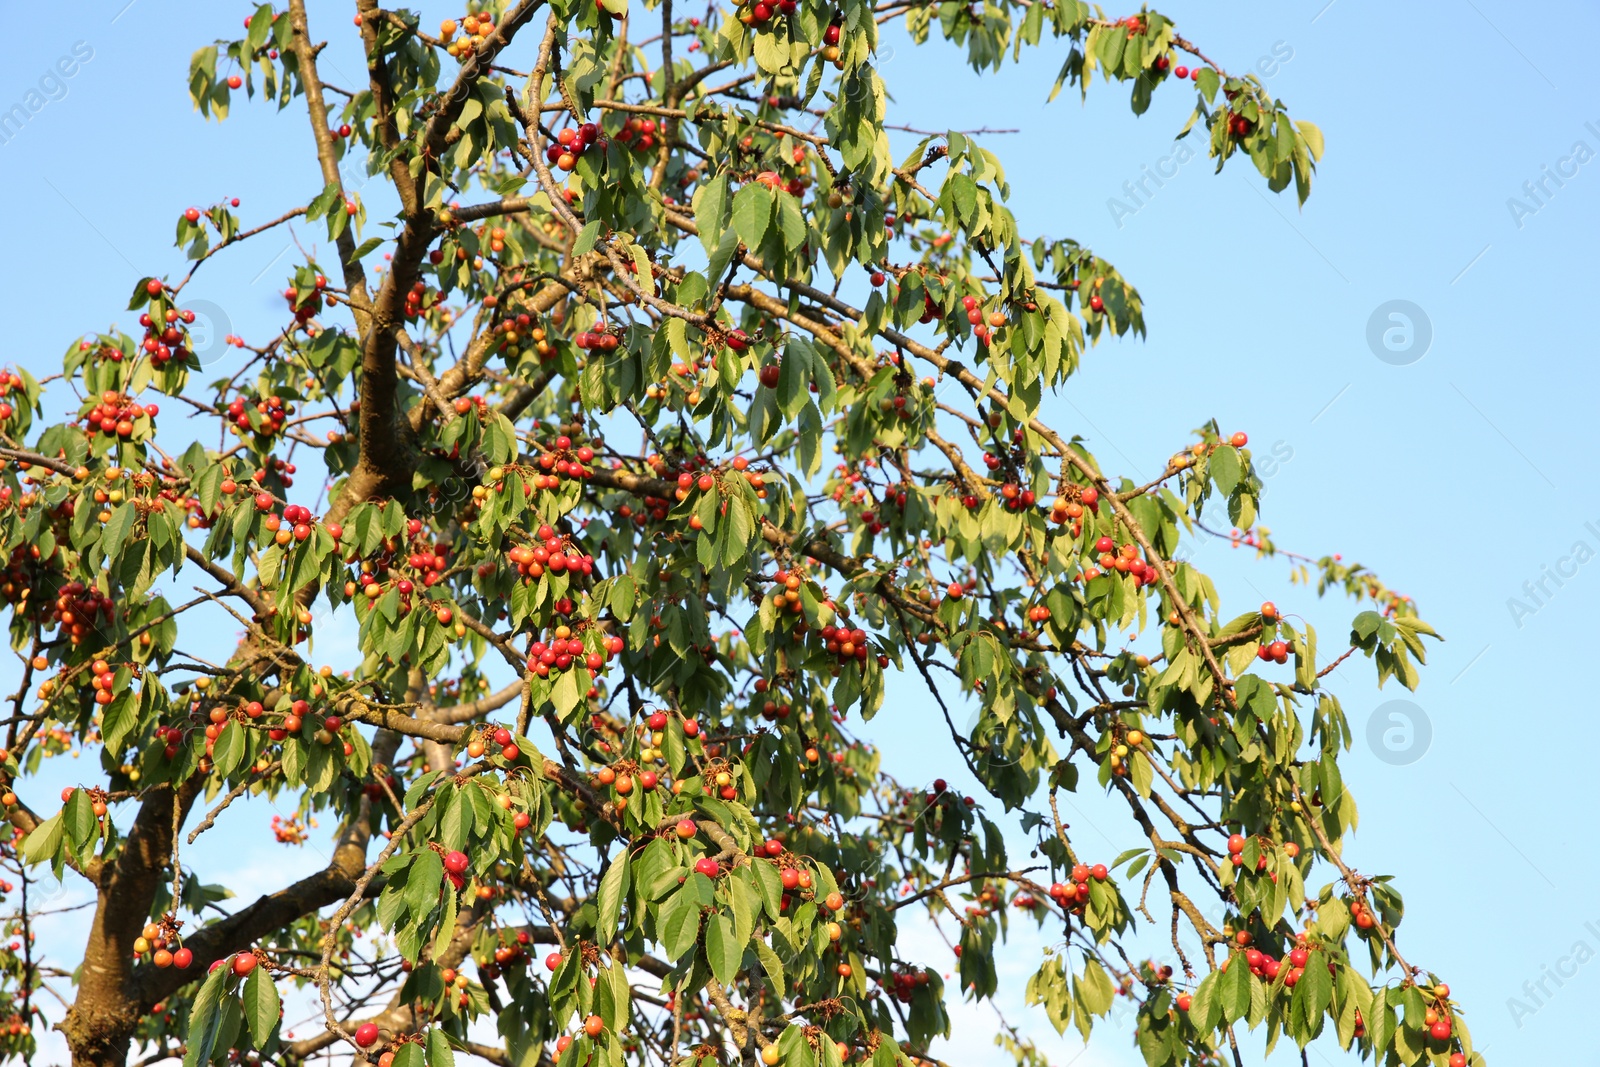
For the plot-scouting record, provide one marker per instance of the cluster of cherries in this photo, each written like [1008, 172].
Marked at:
[290, 831]
[771, 708]
[572, 142]
[565, 650]
[847, 645]
[774, 181]
[1076, 893]
[273, 408]
[102, 680]
[599, 339]
[509, 955]
[423, 558]
[654, 510]
[285, 472]
[1070, 505]
[513, 329]
[77, 608]
[476, 28]
[555, 555]
[902, 984]
[161, 941]
[305, 308]
[8, 382]
[560, 459]
[417, 296]
[981, 324]
[1272, 651]
[114, 414]
[638, 133]
[621, 778]
[1123, 560]
[162, 340]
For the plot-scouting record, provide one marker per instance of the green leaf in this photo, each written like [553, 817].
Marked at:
[439, 1051]
[205, 1018]
[710, 212]
[752, 214]
[723, 950]
[80, 821]
[260, 1005]
[613, 888]
[229, 749]
[586, 237]
[117, 529]
[1234, 988]
[45, 840]
[365, 249]
[678, 921]
[1311, 134]
[423, 881]
[1226, 468]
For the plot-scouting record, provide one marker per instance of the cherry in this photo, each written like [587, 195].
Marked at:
[1239, 440]
[244, 963]
[153, 287]
[769, 374]
[593, 1025]
[182, 958]
[366, 1035]
[686, 828]
[1099, 872]
[456, 862]
[552, 961]
[502, 736]
[1269, 611]
[1184, 1001]
[1440, 1030]
[234, 81]
[192, 214]
[1180, 72]
[707, 866]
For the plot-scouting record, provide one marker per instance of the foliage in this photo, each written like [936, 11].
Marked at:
[602, 418]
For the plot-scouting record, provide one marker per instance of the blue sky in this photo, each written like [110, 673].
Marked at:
[1459, 476]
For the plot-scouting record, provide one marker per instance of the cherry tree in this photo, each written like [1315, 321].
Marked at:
[670, 423]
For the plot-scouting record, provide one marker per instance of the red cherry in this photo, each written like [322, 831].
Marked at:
[244, 963]
[456, 862]
[367, 1035]
[182, 958]
[1236, 843]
